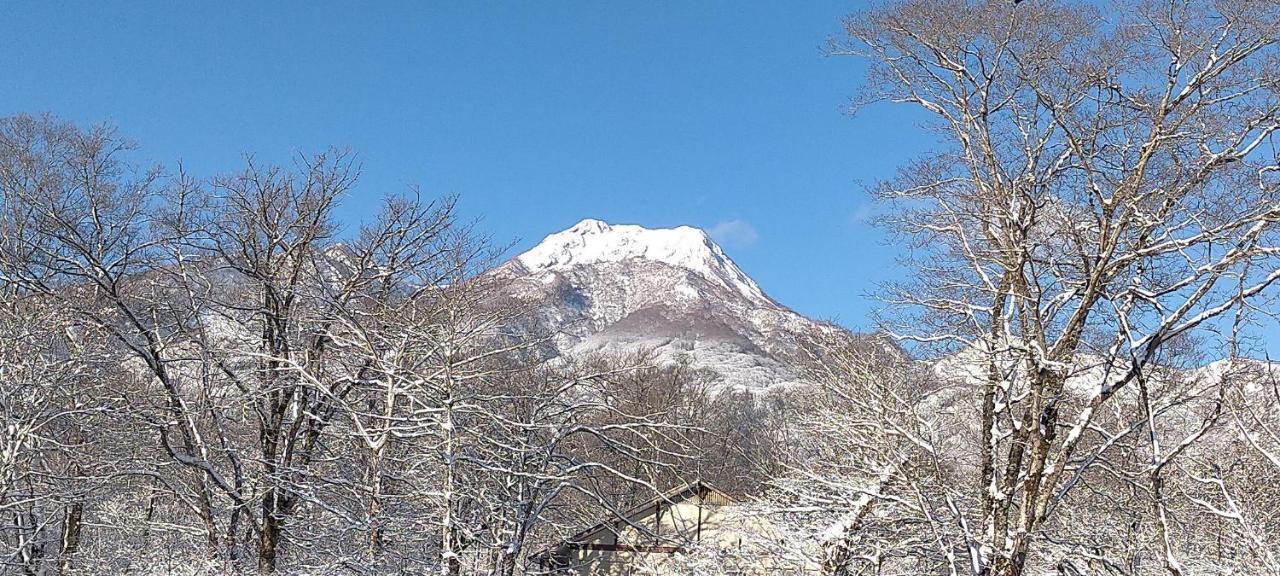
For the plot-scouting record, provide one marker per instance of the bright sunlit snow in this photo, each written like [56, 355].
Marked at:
[592, 241]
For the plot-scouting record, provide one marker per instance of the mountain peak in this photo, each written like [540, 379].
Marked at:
[595, 241]
[591, 226]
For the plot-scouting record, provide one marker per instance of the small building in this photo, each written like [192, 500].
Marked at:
[655, 537]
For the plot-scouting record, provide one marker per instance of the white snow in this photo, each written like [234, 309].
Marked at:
[593, 241]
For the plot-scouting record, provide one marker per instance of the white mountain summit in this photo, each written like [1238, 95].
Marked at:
[618, 288]
[594, 241]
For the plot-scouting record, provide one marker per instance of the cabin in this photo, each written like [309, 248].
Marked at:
[650, 539]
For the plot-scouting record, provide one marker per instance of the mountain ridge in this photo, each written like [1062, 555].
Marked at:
[618, 288]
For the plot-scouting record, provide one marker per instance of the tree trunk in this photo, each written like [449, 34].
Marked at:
[274, 510]
[71, 526]
[375, 504]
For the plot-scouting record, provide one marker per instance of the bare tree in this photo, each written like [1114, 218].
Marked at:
[78, 233]
[208, 376]
[1105, 189]
[47, 470]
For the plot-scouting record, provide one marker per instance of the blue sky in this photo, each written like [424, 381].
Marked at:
[724, 115]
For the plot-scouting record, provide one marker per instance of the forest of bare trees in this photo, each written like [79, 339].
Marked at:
[199, 377]
[216, 374]
[1101, 221]
[1089, 249]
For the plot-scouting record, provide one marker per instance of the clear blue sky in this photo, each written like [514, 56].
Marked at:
[538, 114]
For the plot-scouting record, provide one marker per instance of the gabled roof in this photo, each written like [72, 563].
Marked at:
[666, 499]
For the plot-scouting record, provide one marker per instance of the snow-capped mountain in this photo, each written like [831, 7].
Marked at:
[593, 242]
[621, 288]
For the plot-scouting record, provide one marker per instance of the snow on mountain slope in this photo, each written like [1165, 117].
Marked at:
[621, 288]
[593, 241]
[1087, 374]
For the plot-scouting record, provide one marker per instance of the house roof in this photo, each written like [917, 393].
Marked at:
[677, 494]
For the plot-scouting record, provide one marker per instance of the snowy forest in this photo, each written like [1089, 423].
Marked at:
[214, 374]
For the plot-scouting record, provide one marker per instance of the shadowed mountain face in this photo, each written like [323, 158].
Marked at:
[619, 288]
